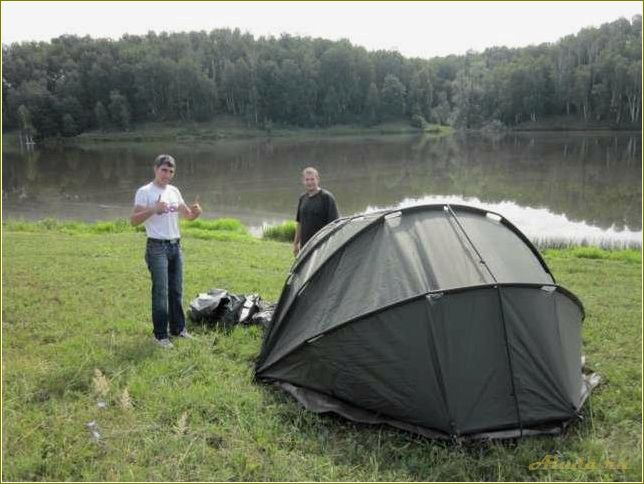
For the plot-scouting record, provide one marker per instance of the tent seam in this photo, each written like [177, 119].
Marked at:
[503, 323]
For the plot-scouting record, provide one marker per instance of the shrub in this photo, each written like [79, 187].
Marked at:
[418, 121]
[221, 224]
[494, 126]
[284, 232]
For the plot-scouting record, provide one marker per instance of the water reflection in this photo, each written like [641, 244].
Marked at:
[590, 179]
[540, 225]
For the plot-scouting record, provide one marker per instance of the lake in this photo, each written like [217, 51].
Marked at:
[571, 187]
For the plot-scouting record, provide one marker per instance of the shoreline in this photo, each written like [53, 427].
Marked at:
[227, 228]
[228, 128]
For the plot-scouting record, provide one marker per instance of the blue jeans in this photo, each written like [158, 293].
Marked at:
[165, 265]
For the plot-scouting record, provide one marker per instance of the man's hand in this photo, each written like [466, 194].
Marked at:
[160, 207]
[195, 208]
[191, 211]
[296, 249]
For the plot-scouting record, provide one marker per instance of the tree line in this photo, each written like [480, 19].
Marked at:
[73, 84]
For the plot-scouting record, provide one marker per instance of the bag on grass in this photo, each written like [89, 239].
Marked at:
[206, 306]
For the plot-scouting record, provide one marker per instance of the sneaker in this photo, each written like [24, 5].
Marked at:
[185, 334]
[164, 343]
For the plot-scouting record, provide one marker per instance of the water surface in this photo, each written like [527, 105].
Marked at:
[573, 186]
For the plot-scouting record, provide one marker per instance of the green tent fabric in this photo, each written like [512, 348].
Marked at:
[443, 320]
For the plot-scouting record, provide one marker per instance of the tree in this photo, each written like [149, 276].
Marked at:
[26, 127]
[372, 105]
[101, 116]
[564, 75]
[332, 106]
[634, 92]
[69, 128]
[40, 105]
[441, 112]
[339, 78]
[421, 92]
[269, 91]
[119, 110]
[582, 89]
[393, 97]
[594, 74]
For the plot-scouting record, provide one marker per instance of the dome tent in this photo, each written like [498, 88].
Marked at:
[439, 319]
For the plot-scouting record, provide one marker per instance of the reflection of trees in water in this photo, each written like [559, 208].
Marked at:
[570, 177]
[595, 178]
[65, 173]
[105, 170]
[31, 160]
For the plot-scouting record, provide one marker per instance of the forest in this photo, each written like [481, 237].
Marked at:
[72, 84]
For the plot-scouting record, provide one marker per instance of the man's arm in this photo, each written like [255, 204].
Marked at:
[298, 230]
[140, 213]
[191, 212]
[332, 212]
[297, 238]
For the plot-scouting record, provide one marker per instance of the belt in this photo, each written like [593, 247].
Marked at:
[164, 241]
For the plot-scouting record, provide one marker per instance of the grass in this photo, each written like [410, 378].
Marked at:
[601, 244]
[229, 127]
[627, 255]
[570, 123]
[76, 331]
[219, 229]
[284, 232]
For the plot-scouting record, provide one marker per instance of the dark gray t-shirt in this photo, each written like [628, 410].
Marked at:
[315, 212]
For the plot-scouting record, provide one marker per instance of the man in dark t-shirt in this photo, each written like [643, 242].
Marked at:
[315, 209]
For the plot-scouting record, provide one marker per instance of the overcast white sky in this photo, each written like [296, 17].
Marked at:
[423, 29]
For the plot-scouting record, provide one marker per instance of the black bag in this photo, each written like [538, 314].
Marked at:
[231, 309]
[218, 307]
[264, 315]
[206, 306]
[251, 306]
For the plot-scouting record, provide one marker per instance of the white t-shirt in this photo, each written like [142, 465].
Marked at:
[166, 225]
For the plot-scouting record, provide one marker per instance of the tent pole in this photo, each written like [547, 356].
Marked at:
[505, 329]
[507, 351]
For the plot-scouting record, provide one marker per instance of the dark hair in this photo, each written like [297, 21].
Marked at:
[164, 160]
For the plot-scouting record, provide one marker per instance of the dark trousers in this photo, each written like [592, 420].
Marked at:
[166, 267]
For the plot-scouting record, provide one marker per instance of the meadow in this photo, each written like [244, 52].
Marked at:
[88, 396]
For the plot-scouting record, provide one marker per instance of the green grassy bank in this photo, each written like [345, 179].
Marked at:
[232, 128]
[76, 330]
[229, 127]
[571, 123]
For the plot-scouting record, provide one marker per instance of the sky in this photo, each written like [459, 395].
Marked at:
[415, 29]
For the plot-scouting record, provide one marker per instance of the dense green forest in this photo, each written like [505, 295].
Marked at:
[73, 84]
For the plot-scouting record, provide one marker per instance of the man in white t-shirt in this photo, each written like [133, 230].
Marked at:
[157, 205]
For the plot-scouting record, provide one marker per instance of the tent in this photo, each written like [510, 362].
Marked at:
[442, 320]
